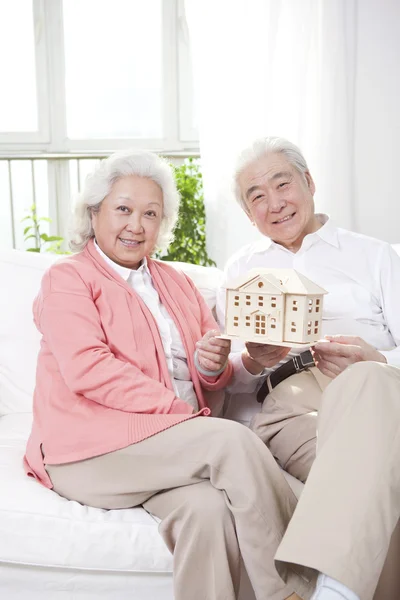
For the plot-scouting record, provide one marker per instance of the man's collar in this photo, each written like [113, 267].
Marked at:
[328, 233]
[123, 272]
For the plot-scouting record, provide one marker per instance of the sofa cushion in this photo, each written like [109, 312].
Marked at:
[21, 274]
[38, 527]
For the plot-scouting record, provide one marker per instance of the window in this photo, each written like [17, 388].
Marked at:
[97, 75]
[273, 323]
[293, 327]
[295, 305]
[18, 101]
[309, 325]
[117, 94]
[260, 324]
[310, 304]
[260, 284]
[236, 321]
[317, 305]
[273, 301]
[236, 300]
[85, 77]
[260, 300]
[248, 302]
[248, 322]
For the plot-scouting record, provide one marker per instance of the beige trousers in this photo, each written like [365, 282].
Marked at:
[287, 423]
[349, 508]
[219, 493]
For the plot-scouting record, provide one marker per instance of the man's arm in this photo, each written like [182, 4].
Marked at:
[337, 352]
[389, 272]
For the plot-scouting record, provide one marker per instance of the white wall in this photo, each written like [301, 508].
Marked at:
[377, 119]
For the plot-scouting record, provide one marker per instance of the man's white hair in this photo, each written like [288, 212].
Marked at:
[261, 147]
[99, 183]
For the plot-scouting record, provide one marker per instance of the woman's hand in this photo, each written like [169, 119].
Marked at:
[336, 352]
[213, 352]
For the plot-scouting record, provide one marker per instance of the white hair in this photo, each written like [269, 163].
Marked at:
[261, 147]
[99, 183]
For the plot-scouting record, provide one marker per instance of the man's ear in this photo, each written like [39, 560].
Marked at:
[310, 182]
[250, 217]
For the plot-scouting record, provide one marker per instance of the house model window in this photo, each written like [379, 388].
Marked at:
[260, 324]
[274, 306]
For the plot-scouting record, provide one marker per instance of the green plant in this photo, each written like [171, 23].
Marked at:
[43, 242]
[189, 243]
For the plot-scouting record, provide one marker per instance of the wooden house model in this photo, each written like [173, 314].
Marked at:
[274, 306]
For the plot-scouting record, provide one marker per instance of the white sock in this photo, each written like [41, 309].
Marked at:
[331, 589]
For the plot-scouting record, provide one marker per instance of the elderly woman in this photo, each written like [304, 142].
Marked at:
[128, 365]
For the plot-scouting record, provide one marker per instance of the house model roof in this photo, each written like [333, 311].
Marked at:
[277, 281]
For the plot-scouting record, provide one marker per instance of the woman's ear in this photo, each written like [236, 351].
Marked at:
[92, 216]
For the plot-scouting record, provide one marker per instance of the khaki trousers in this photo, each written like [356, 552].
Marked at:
[287, 423]
[350, 505]
[219, 493]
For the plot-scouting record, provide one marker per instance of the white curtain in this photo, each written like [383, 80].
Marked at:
[273, 67]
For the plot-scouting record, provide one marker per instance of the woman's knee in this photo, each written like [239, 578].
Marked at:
[206, 510]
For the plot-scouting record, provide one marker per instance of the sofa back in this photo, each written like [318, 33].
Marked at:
[20, 277]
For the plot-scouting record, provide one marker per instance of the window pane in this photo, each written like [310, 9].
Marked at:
[113, 62]
[5, 209]
[18, 102]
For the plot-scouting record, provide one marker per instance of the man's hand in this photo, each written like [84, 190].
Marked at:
[263, 355]
[336, 352]
[212, 352]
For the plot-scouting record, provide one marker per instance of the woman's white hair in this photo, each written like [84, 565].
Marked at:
[261, 147]
[99, 183]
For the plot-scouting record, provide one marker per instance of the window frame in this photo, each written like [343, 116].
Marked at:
[51, 137]
[31, 140]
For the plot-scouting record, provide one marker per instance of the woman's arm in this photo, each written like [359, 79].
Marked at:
[208, 323]
[70, 323]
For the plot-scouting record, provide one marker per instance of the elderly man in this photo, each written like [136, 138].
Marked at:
[344, 532]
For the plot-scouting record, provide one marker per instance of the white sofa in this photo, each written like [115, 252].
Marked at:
[51, 547]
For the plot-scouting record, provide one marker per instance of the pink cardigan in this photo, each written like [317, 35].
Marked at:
[102, 381]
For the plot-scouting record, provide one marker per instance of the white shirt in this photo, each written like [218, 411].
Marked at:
[362, 278]
[140, 281]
